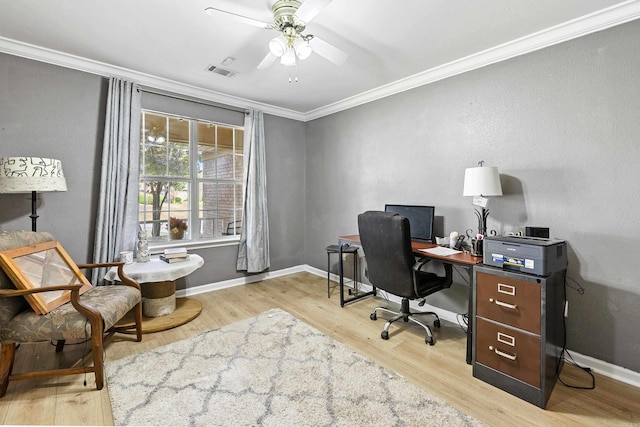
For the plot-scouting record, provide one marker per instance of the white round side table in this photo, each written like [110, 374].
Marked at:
[157, 282]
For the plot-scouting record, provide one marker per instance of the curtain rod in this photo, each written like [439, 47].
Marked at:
[190, 99]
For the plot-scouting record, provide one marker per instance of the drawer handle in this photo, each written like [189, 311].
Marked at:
[502, 353]
[504, 304]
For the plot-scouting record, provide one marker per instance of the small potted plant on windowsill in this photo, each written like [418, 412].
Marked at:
[177, 227]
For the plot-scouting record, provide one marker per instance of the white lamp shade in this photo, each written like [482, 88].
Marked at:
[302, 48]
[27, 174]
[289, 57]
[482, 181]
[278, 46]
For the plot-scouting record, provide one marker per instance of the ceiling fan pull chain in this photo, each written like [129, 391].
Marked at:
[295, 78]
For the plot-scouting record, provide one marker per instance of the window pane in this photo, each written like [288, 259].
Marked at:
[159, 201]
[206, 150]
[238, 158]
[178, 148]
[153, 145]
[225, 167]
[209, 208]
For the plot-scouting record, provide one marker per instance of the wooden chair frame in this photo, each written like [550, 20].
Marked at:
[94, 317]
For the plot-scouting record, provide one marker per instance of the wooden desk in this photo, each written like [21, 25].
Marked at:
[464, 260]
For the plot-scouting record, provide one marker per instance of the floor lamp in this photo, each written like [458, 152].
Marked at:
[479, 182]
[31, 175]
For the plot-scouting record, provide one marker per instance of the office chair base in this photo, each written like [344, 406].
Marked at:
[406, 316]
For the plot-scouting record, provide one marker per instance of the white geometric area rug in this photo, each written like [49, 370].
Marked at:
[270, 370]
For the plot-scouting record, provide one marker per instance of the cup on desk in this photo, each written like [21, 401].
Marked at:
[442, 241]
[126, 257]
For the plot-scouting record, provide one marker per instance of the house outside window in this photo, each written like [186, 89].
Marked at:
[190, 179]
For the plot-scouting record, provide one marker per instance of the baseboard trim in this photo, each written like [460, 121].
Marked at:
[239, 281]
[601, 367]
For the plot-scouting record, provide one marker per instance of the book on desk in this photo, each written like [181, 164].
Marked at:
[172, 255]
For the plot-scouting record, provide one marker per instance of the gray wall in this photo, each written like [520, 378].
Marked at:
[562, 124]
[50, 111]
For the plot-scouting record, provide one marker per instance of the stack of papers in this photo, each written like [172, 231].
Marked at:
[441, 251]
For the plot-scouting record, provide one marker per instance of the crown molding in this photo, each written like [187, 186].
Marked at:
[606, 18]
[29, 51]
[594, 22]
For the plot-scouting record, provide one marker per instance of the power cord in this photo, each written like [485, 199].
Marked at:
[573, 285]
[564, 352]
[574, 363]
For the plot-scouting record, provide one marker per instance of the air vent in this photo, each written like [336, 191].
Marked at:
[222, 71]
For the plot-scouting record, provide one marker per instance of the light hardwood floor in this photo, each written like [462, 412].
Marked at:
[439, 369]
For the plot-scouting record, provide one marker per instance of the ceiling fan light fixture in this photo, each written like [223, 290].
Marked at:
[289, 58]
[278, 46]
[302, 48]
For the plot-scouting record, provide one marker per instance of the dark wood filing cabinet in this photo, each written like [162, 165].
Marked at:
[518, 331]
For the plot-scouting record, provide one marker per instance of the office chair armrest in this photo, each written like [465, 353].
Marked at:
[417, 267]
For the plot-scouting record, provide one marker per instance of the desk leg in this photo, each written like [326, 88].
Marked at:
[341, 274]
[470, 319]
[355, 278]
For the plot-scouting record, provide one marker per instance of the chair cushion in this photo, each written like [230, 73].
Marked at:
[11, 239]
[65, 323]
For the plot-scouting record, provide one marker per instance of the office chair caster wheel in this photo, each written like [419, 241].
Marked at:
[429, 340]
[384, 335]
[373, 316]
[436, 323]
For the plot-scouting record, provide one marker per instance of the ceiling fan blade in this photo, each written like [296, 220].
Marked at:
[310, 8]
[267, 61]
[239, 18]
[328, 51]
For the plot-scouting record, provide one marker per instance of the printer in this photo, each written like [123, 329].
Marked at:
[532, 255]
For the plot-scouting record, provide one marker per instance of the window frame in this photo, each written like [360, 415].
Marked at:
[194, 182]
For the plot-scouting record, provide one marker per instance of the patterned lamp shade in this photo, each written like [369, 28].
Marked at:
[27, 174]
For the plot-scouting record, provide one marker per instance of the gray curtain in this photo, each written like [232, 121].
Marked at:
[253, 252]
[117, 222]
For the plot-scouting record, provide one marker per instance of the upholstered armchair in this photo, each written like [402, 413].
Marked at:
[91, 315]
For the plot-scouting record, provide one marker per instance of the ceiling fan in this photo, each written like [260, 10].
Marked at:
[290, 18]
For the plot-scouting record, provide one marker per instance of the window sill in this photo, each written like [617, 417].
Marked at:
[159, 247]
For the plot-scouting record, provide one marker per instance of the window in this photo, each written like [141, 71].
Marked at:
[190, 178]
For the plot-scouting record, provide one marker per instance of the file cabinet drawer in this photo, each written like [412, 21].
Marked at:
[509, 351]
[510, 301]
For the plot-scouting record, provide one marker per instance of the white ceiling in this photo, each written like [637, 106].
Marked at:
[392, 45]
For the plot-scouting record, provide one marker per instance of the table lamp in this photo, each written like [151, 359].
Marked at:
[479, 182]
[31, 174]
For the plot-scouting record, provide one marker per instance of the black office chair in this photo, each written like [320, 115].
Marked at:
[392, 267]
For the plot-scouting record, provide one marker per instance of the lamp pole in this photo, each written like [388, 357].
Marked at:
[34, 215]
